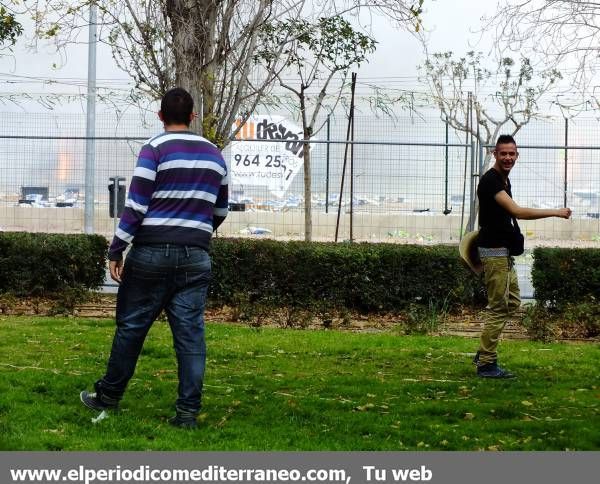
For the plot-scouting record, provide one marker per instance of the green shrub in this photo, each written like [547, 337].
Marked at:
[573, 321]
[364, 276]
[562, 276]
[540, 324]
[34, 264]
[584, 317]
[425, 319]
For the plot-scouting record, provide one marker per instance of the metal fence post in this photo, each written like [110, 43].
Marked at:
[446, 209]
[352, 168]
[481, 158]
[327, 164]
[566, 160]
[472, 190]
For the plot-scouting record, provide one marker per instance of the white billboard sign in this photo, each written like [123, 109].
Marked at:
[257, 162]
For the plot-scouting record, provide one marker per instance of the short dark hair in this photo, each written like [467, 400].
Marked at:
[505, 139]
[176, 106]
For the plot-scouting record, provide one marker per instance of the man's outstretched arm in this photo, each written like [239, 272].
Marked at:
[526, 213]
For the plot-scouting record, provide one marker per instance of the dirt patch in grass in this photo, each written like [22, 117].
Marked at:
[466, 322]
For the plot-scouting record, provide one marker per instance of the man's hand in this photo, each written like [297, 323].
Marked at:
[564, 213]
[116, 270]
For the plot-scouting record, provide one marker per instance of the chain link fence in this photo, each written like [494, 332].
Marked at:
[404, 179]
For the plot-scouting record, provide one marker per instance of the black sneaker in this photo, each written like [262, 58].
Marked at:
[91, 400]
[183, 423]
[492, 370]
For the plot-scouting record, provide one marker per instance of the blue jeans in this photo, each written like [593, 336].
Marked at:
[156, 277]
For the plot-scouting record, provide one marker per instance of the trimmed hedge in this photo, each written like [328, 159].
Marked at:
[361, 276]
[562, 276]
[34, 264]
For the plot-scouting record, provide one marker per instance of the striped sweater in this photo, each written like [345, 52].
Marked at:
[178, 194]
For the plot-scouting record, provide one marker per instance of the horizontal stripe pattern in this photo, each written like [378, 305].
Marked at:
[179, 222]
[146, 173]
[191, 164]
[124, 236]
[186, 194]
[211, 179]
[179, 186]
[136, 206]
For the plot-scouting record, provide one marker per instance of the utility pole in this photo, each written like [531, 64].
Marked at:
[90, 127]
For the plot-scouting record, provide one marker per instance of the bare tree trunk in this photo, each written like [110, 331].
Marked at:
[196, 52]
[307, 132]
[307, 191]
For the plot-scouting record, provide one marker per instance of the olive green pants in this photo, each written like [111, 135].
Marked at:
[503, 301]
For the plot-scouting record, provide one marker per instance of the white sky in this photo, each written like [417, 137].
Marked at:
[450, 24]
[394, 64]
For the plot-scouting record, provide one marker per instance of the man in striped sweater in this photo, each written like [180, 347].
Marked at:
[178, 196]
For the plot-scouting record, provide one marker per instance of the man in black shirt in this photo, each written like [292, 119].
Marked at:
[498, 232]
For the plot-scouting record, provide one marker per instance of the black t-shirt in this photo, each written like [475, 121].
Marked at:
[495, 223]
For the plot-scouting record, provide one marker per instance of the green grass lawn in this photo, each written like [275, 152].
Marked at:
[274, 389]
